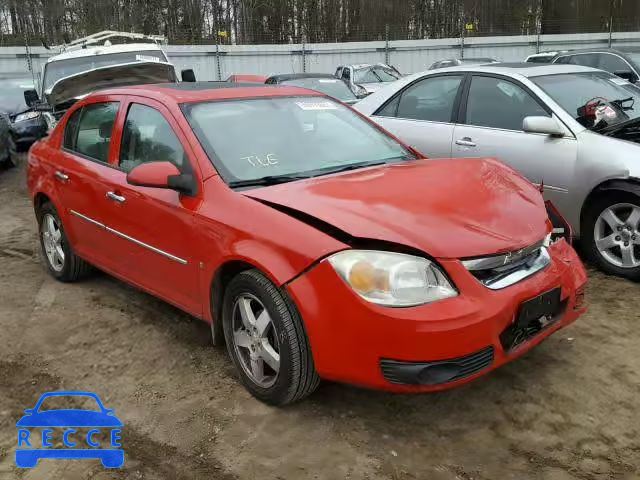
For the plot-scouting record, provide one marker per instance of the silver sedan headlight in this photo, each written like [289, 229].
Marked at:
[392, 279]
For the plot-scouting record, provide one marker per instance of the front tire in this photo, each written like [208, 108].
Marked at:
[12, 159]
[266, 340]
[611, 234]
[62, 263]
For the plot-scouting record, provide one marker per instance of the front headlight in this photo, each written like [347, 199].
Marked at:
[361, 92]
[392, 279]
[26, 116]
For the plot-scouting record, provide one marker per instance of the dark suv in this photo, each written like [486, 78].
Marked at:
[623, 62]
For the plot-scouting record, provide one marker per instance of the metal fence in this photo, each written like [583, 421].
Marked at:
[211, 62]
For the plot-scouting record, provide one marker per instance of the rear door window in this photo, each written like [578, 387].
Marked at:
[431, 99]
[95, 129]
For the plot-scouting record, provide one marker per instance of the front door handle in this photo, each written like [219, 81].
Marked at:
[115, 197]
[61, 176]
[465, 142]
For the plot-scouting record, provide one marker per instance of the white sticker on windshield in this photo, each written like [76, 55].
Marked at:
[317, 105]
[620, 81]
[327, 80]
[147, 58]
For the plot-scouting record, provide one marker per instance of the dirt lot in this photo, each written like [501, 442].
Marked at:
[570, 409]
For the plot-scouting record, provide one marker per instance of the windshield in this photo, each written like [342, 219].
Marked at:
[329, 86]
[375, 74]
[12, 94]
[249, 140]
[574, 90]
[58, 69]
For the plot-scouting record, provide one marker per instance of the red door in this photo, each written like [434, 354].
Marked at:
[152, 230]
[77, 170]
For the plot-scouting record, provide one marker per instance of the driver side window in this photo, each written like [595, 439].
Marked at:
[148, 137]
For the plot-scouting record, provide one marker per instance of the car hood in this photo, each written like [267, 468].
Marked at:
[446, 208]
[69, 418]
[121, 75]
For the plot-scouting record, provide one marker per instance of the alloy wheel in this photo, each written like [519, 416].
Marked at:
[616, 235]
[255, 340]
[52, 242]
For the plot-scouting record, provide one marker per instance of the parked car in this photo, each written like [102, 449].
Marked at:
[364, 79]
[86, 66]
[543, 57]
[454, 62]
[572, 129]
[622, 61]
[321, 82]
[242, 78]
[361, 263]
[27, 125]
[7, 145]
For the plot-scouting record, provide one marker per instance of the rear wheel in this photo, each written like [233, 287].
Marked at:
[266, 340]
[61, 262]
[612, 234]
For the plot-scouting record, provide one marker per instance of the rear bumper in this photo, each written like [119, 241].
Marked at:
[429, 347]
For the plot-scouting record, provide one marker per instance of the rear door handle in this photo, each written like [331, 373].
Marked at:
[465, 142]
[61, 176]
[115, 197]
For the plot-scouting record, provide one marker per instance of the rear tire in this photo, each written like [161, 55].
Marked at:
[611, 234]
[62, 263]
[276, 331]
[12, 159]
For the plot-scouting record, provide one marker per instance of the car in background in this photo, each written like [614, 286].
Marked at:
[93, 63]
[320, 82]
[246, 78]
[318, 245]
[621, 61]
[543, 57]
[574, 131]
[7, 145]
[454, 62]
[27, 125]
[365, 78]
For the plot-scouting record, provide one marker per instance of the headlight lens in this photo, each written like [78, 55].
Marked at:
[392, 279]
[26, 116]
[361, 91]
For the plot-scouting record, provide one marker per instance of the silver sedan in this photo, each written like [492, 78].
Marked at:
[575, 130]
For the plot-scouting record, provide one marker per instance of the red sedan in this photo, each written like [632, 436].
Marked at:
[316, 245]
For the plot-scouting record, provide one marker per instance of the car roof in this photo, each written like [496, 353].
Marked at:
[521, 68]
[294, 76]
[104, 50]
[188, 92]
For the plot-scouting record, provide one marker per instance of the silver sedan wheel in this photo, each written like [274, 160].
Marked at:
[255, 340]
[617, 236]
[52, 242]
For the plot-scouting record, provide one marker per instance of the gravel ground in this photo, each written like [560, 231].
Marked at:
[570, 409]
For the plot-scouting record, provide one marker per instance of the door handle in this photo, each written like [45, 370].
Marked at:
[61, 176]
[115, 197]
[465, 142]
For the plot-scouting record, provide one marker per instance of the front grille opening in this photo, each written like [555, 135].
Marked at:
[514, 336]
[437, 372]
[491, 275]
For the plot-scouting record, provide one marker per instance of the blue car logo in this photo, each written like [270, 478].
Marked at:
[29, 450]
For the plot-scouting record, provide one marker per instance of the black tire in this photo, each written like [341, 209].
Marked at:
[297, 377]
[588, 244]
[74, 268]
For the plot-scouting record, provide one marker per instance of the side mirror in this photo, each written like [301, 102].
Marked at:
[188, 75]
[153, 175]
[31, 98]
[627, 75]
[544, 125]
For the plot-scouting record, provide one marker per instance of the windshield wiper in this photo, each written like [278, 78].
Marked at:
[268, 180]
